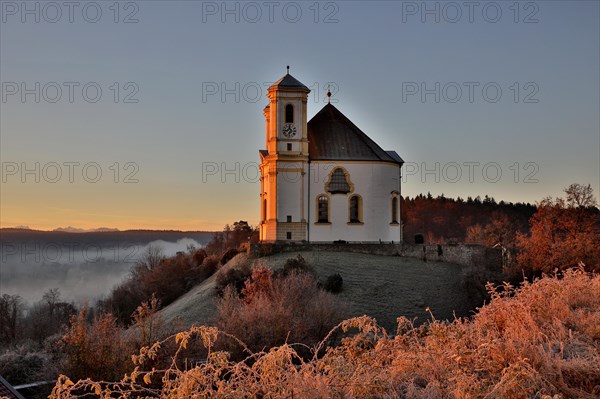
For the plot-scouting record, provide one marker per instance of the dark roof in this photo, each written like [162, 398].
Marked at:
[288, 82]
[395, 155]
[333, 137]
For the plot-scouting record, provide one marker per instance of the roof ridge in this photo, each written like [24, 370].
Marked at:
[324, 143]
[363, 136]
[288, 81]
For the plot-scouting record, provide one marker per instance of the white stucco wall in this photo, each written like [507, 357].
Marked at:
[290, 190]
[374, 182]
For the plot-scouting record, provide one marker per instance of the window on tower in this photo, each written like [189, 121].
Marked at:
[289, 113]
[264, 210]
[322, 209]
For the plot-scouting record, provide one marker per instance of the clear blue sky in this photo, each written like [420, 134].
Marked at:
[373, 54]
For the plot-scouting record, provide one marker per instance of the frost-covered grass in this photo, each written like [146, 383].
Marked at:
[541, 340]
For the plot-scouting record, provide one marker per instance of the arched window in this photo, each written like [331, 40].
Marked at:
[322, 209]
[395, 203]
[264, 213]
[338, 182]
[289, 113]
[355, 209]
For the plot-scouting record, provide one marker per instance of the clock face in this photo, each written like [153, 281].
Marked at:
[289, 130]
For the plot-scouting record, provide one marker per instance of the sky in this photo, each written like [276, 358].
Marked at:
[148, 114]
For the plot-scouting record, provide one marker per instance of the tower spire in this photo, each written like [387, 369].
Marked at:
[328, 95]
[288, 69]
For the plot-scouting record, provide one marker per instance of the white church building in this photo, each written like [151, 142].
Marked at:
[324, 180]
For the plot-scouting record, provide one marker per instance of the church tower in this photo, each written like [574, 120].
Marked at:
[284, 164]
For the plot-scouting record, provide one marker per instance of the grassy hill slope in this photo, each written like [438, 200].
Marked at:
[383, 287]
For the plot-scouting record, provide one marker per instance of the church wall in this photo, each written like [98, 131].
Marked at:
[290, 190]
[374, 182]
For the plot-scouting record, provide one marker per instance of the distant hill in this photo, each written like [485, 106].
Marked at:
[71, 229]
[101, 237]
[384, 287]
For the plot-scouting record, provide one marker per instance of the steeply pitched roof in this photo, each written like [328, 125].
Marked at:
[333, 137]
[288, 82]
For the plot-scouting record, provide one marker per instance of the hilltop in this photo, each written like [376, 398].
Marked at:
[384, 287]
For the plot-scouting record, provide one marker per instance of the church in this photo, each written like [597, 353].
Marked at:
[324, 180]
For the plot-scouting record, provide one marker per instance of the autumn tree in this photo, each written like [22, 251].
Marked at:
[564, 232]
[500, 232]
[231, 237]
[97, 351]
[148, 322]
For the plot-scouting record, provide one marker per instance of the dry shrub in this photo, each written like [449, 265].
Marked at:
[25, 363]
[235, 276]
[334, 283]
[297, 265]
[209, 266]
[228, 255]
[272, 311]
[97, 350]
[198, 257]
[155, 275]
[541, 340]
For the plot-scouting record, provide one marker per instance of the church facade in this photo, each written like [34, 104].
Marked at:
[324, 180]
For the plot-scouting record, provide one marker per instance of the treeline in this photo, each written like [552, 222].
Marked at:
[442, 220]
[555, 234]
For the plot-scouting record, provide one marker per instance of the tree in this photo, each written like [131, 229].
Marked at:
[48, 316]
[11, 312]
[580, 196]
[150, 259]
[563, 233]
[148, 322]
[101, 350]
[230, 237]
[501, 230]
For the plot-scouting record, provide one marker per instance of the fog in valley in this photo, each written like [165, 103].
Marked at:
[81, 270]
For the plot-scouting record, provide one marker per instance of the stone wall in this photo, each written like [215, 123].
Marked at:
[467, 255]
[470, 255]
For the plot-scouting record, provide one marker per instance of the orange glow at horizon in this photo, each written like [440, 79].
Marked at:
[124, 207]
